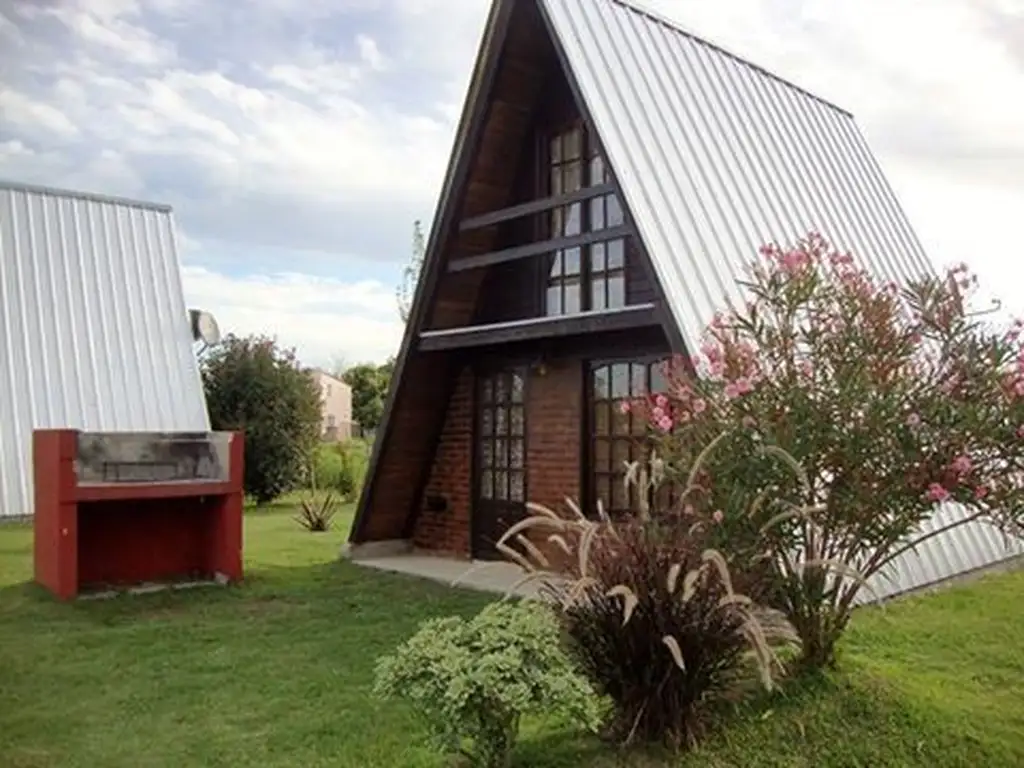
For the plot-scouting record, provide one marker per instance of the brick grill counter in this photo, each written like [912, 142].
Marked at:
[115, 510]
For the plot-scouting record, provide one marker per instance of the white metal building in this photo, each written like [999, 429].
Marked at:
[94, 332]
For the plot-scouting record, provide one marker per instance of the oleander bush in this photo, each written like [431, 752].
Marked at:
[844, 413]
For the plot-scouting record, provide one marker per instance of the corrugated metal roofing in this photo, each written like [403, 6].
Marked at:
[94, 332]
[714, 157]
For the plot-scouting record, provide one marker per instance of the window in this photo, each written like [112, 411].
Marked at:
[565, 278]
[501, 437]
[619, 437]
[591, 277]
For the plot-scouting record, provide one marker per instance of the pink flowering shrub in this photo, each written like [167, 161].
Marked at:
[836, 413]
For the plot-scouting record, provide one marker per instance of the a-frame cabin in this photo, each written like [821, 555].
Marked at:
[611, 175]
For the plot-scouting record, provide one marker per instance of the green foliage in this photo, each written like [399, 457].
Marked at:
[369, 384]
[653, 613]
[475, 679]
[341, 467]
[253, 385]
[844, 412]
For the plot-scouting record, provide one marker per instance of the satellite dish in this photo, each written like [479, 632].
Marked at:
[204, 327]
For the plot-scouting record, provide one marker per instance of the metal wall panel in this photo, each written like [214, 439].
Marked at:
[716, 157]
[94, 332]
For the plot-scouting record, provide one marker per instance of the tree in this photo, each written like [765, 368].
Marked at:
[369, 384]
[836, 414]
[411, 274]
[254, 386]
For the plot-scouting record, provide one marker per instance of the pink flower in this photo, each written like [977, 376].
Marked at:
[937, 493]
[744, 385]
[732, 391]
[665, 424]
[660, 400]
[717, 368]
[711, 352]
[657, 414]
[699, 405]
[961, 465]
[625, 406]
[913, 420]
[1019, 388]
[980, 492]
[718, 516]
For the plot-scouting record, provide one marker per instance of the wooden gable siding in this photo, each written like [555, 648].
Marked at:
[420, 402]
[527, 62]
[514, 290]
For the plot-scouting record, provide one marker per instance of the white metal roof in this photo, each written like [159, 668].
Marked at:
[714, 157]
[94, 332]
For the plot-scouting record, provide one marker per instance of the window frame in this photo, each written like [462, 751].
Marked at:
[486, 441]
[609, 281]
[605, 467]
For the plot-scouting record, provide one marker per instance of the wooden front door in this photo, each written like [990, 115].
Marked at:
[500, 461]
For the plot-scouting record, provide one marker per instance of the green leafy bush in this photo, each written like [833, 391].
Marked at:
[328, 468]
[653, 613]
[341, 467]
[472, 681]
[253, 385]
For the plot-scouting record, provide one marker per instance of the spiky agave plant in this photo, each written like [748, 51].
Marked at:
[650, 609]
[317, 512]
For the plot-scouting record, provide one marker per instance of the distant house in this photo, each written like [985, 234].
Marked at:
[336, 408]
[611, 176]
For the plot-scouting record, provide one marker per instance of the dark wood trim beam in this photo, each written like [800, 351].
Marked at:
[538, 248]
[530, 207]
[539, 328]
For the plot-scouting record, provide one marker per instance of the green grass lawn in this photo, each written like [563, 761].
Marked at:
[277, 672]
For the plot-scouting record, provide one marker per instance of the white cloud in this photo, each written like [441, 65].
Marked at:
[32, 115]
[323, 319]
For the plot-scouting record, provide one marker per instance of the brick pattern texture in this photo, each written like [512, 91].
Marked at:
[447, 532]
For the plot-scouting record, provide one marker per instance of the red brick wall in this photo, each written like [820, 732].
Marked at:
[553, 433]
[450, 477]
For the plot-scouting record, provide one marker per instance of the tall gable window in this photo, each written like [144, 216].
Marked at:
[591, 277]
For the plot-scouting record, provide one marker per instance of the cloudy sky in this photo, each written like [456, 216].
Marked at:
[298, 140]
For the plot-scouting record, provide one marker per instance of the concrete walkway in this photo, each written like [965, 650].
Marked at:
[485, 576]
